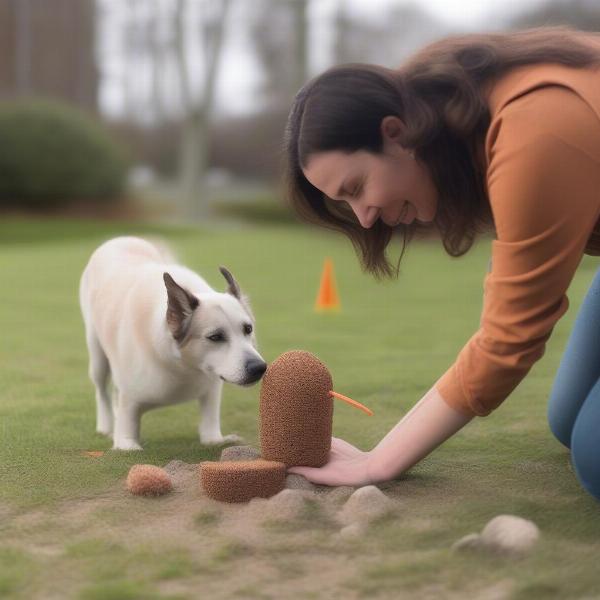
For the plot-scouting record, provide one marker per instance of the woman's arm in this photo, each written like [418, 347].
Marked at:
[423, 428]
[429, 423]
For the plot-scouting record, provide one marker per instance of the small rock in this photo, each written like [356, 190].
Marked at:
[177, 466]
[287, 504]
[353, 530]
[148, 480]
[256, 508]
[258, 502]
[293, 481]
[469, 542]
[504, 534]
[508, 534]
[240, 453]
[365, 504]
[339, 494]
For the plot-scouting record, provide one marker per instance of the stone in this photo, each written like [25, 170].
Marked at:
[352, 531]
[286, 505]
[508, 534]
[240, 453]
[505, 534]
[293, 481]
[174, 467]
[364, 505]
[468, 542]
[339, 494]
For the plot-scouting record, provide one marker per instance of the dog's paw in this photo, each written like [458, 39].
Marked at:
[107, 431]
[125, 444]
[232, 438]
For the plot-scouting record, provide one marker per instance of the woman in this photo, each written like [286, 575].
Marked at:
[479, 132]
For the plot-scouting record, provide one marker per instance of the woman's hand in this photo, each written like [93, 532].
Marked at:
[347, 466]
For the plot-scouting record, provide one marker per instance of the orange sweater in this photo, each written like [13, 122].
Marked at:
[542, 153]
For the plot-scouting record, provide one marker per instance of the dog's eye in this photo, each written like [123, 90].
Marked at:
[216, 337]
[247, 329]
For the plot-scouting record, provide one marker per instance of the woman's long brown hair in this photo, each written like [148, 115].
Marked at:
[438, 95]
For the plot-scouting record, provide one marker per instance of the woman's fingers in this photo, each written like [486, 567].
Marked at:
[313, 474]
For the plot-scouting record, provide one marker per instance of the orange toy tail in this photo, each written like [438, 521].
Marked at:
[327, 298]
[352, 402]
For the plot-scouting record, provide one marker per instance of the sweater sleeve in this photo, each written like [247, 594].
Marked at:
[543, 182]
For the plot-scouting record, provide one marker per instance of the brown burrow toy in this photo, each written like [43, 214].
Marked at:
[240, 481]
[296, 418]
[148, 480]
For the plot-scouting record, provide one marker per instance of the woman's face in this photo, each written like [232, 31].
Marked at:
[391, 186]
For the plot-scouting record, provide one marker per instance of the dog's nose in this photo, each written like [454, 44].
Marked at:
[255, 369]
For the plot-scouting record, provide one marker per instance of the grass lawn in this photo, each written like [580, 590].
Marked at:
[385, 348]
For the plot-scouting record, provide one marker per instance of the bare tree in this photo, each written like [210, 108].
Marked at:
[48, 49]
[197, 107]
[300, 20]
[159, 46]
[342, 33]
[385, 40]
[581, 14]
[23, 47]
[279, 36]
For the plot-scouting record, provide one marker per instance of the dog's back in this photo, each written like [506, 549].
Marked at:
[112, 269]
[124, 299]
[108, 287]
[118, 254]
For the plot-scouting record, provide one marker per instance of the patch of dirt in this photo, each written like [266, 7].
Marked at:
[287, 546]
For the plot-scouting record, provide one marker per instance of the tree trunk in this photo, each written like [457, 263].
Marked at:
[193, 161]
[300, 8]
[23, 43]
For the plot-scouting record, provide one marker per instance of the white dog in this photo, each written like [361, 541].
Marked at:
[164, 335]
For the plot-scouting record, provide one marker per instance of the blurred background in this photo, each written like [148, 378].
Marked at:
[165, 118]
[175, 109]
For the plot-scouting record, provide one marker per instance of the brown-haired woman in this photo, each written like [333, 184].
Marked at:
[498, 132]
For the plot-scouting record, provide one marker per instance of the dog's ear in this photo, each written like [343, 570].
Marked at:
[180, 307]
[234, 290]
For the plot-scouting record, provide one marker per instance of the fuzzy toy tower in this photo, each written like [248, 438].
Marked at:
[296, 410]
[296, 418]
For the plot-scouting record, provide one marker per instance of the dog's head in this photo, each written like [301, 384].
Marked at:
[215, 332]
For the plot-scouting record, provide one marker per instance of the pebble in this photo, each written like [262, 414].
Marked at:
[505, 534]
[148, 480]
[364, 505]
[240, 453]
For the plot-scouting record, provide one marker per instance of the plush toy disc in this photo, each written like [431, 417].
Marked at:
[148, 480]
[240, 481]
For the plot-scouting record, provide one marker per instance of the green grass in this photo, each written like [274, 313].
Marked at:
[387, 346]
[14, 566]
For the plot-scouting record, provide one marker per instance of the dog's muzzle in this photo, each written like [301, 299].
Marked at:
[255, 369]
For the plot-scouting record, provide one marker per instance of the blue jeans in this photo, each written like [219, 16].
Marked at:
[574, 406]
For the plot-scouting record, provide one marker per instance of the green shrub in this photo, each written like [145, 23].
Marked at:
[257, 210]
[52, 153]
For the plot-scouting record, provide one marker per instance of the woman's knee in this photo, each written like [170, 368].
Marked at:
[559, 427]
[585, 444]
[561, 420]
[587, 470]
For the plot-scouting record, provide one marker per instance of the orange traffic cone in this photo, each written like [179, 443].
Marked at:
[327, 298]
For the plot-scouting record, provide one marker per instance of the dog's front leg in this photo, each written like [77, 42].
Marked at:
[127, 426]
[209, 429]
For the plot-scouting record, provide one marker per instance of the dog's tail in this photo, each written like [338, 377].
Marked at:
[167, 254]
